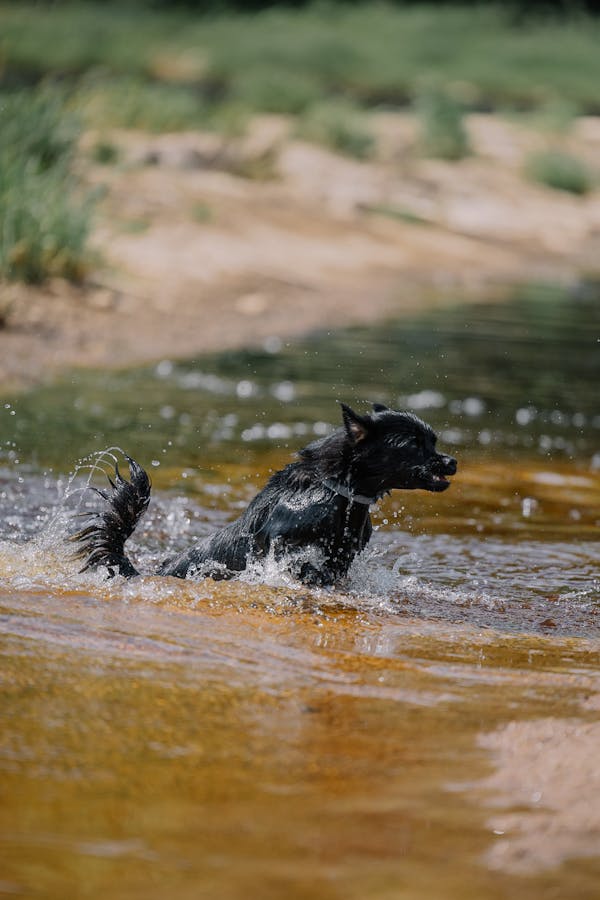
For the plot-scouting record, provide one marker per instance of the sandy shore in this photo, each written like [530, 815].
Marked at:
[210, 243]
[546, 788]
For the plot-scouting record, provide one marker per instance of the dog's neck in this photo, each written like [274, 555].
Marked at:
[344, 491]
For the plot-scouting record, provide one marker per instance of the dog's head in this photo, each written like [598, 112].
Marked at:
[393, 449]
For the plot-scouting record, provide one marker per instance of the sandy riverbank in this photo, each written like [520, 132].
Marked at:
[199, 256]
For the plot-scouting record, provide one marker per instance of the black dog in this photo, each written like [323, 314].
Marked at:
[313, 515]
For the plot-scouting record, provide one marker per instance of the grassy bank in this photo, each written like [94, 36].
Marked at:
[118, 65]
[285, 60]
[45, 218]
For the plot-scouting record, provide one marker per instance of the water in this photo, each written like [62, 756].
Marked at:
[257, 738]
[497, 381]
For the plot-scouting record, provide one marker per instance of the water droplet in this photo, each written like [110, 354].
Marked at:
[525, 415]
[164, 368]
[284, 391]
[273, 344]
[244, 389]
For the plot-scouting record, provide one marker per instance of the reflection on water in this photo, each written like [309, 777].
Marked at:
[257, 738]
[493, 379]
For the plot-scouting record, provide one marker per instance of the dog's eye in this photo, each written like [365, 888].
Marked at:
[418, 445]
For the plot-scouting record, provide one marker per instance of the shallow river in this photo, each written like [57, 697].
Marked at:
[429, 729]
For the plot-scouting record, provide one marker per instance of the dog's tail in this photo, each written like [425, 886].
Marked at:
[102, 541]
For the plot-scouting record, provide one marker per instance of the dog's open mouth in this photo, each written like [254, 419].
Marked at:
[438, 482]
[434, 481]
[437, 476]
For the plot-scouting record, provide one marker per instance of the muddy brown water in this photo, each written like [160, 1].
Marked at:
[427, 729]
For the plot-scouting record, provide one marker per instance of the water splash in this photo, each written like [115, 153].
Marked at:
[512, 582]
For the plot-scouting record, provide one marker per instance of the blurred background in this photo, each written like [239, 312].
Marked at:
[406, 89]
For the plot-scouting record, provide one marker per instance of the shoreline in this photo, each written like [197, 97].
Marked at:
[62, 327]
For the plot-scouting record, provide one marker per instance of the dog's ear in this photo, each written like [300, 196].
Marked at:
[357, 427]
[379, 407]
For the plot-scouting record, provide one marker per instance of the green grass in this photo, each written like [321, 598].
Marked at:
[105, 153]
[442, 134]
[555, 116]
[286, 92]
[339, 126]
[559, 170]
[132, 102]
[45, 220]
[285, 59]
[33, 127]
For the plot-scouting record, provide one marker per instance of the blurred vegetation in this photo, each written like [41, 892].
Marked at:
[105, 153]
[103, 101]
[284, 59]
[520, 8]
[555, 116]
[562, 171]
[443, 134]
[45, 221]
[340, 126]
[168, 66]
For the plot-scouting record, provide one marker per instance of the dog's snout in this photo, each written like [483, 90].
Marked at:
[450, 464]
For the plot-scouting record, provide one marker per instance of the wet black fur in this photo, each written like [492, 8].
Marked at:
[313, 514]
